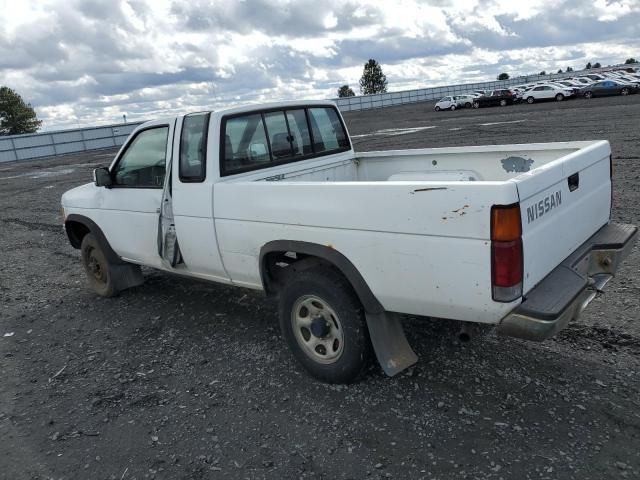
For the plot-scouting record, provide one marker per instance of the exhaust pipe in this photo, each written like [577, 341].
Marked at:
[465, 332]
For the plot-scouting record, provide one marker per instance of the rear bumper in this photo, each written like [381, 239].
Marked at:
[570, 287]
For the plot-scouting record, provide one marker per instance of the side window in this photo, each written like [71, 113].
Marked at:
[143, 164]
[299, 131]
[278, 135]
[245, 143]
[193, 147]
[537, 89]
[327, 130]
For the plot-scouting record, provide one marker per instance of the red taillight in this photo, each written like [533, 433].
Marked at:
[507, 263]
[506, 253]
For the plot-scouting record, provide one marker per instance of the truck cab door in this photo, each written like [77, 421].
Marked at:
[129, 208]
[186, 229]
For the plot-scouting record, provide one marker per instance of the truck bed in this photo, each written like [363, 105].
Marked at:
[421, 216]
[477, 163]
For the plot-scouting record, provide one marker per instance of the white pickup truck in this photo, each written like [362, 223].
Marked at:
[274, 198]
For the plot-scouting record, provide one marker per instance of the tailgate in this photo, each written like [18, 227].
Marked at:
[562, 204]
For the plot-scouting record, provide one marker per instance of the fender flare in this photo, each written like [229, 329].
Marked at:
[96, 231]
[329, 254]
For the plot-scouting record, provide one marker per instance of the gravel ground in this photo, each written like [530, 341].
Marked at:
[179, 379]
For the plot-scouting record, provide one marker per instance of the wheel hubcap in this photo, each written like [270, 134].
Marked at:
[95, 267]
[317, 329]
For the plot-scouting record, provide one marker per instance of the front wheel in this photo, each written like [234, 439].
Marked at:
[503, 103]
[98, 269]
[624, 91]
[476, 105]
[323, 322]
[467, 105]
[437, 109]
[530, 100]
[453, 107]
[588, 94]
[559, 97]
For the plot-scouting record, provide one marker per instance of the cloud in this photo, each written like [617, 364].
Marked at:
[88, 61]
[301, 18]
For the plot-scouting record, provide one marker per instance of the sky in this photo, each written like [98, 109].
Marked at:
[88, 62]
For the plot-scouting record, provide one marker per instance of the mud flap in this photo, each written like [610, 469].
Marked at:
[126, 276]
[389, 342]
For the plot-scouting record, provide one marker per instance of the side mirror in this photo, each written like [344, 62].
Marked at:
[102, 177]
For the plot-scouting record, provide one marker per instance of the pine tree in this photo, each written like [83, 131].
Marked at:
[588, 67]
[16, 116]
[373, 80]
[345, 91]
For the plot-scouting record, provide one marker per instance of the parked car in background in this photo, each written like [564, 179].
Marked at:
[583, 80]
[606, 88]
[570, 83]
[547, 92]
[517, 93]
[496, 97]
[596, 77]
[575, 90]
[446, 103]
[628, 79]
[465, 101]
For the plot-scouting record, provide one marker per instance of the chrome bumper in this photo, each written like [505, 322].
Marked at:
[571, 286]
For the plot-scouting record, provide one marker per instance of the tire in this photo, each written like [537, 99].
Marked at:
[323, 322]
[559, 97]
[437, 109]
[476, 105]
[453, 107]
[503, 103]
[588, 94]
[624, 91]
[98, 269]
[467, 105]
[530, 100]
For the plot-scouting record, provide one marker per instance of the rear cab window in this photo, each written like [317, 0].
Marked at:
[262, 139]
[193, 148]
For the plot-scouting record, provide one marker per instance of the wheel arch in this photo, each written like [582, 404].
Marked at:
[77, 226]
[314, 254]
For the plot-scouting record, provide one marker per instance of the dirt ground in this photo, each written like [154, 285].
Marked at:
[184, 380]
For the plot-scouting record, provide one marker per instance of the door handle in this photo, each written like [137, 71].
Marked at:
[574, 181]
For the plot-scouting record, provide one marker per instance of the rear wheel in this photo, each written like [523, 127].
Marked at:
[97, 267]
[476, 105]
[467, 105]
[324, 325]
[503, 103]
[624, 91]
[530, 100]
[559, 97]
[453, 107]
[588, 94]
